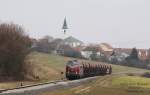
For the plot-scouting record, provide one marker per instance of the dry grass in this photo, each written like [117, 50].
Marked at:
[12, 84]
[45, 66]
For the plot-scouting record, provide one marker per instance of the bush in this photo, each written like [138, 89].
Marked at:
[147, 74]
[93, 56]
[130, 74]
[134, 61]
[14, 46]
[72, 53]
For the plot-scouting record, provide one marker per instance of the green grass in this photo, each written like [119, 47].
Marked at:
[131, 81]
[53, 61]
[105, 86]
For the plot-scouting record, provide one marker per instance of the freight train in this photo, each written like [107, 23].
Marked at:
[76, 69]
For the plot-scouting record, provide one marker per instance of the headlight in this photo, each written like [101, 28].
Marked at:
[76, 72]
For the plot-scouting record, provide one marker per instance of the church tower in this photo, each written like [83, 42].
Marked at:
[65, 26]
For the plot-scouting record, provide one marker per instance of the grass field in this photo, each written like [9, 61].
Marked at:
[131, 81]
[109, 85]
[48, 68]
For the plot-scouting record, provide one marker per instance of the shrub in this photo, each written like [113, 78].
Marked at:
[147, 74]
[14, 46]
[72, 53]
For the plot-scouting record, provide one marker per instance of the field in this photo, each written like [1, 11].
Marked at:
[130, 81]
[48, 68]
[110, 85]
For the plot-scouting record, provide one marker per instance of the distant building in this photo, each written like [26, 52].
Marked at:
[88, 51]
[106, 49]
[142, 53]
[73, 42]
[118, 57]
[101, 50]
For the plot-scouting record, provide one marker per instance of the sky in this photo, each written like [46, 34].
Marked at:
[121, 23]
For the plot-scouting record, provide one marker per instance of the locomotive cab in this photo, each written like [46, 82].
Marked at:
[74, 70]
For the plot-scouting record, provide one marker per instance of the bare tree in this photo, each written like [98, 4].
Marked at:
[14, 46]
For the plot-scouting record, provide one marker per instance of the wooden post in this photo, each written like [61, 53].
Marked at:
[62, 75]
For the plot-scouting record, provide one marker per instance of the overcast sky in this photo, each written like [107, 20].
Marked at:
[122, 23]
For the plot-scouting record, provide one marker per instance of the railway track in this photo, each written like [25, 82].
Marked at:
[26, 86]
[42, 87]
[52, 85]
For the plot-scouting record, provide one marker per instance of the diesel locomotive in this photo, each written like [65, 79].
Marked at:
[76, 69]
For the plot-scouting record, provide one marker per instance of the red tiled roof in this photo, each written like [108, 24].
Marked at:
[125, 50]
[92, 48]
[107, 45]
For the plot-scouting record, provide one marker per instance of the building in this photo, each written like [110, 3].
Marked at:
[72, 42]
[118, 57]
[143, 54]
[106, 49]
[101, 50]
[88, 51]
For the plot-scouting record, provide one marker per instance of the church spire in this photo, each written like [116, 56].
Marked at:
[65, 26]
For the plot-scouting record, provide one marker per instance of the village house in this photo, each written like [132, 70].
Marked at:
[142, 53]
[101, 50]
[118, 57]
[88, 51]
[106, 49]
[72, 42]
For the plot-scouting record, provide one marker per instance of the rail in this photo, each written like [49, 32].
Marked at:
[38, 84]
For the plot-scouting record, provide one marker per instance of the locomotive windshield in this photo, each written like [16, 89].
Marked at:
[72, 63]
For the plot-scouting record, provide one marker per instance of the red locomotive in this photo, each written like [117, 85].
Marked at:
[76, 69]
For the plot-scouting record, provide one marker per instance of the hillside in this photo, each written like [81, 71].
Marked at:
[45, 66]
[48, 67]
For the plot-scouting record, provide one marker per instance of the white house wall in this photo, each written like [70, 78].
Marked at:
[73, 44]
[86, 54]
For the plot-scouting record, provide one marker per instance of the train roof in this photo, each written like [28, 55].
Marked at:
[85, 62]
